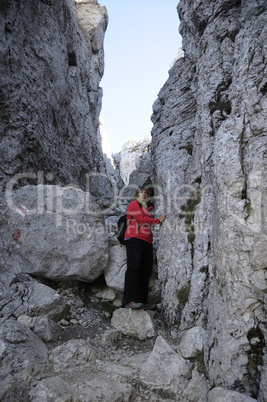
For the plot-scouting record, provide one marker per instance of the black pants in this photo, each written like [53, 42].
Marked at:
[139, 268]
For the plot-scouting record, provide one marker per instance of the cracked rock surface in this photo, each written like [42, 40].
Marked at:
[86, 358]
[209, 154]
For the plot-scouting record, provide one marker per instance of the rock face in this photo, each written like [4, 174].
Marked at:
[52, 63]
[54, 232]
[209, 154]
[135, 165]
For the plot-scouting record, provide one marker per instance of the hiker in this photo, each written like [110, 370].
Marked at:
[138, 240]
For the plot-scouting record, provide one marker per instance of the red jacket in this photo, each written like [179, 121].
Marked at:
[139, 222]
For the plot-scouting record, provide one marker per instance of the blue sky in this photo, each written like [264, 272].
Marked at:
[141, 42]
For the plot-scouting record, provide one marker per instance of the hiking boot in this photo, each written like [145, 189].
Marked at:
[134, 305]
[149, 306]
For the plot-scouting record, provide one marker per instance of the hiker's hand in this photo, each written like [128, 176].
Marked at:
[162, 218]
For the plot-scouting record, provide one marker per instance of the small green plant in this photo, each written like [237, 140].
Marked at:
[189, 148]
[198, 360]
[139, 147]
[188, 212]
[191, 236]
[183, 295]
[108, 307]
[248, 208]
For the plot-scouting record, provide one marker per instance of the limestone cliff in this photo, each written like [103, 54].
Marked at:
[134, 162]
[52, 61]
[209, 153]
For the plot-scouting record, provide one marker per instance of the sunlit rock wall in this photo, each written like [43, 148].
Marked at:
[209, 153]
[134, 162]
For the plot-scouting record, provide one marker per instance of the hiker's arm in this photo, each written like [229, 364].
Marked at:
[137, 213]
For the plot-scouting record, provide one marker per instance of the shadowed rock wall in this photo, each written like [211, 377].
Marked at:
[52, 61]
[51, 66]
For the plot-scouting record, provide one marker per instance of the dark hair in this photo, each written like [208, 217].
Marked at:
[139, 189]
[150, 192]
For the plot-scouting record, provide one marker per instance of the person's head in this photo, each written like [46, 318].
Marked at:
[142, 193]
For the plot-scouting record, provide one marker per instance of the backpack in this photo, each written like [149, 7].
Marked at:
[122, 226]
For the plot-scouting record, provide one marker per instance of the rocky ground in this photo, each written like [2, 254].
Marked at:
[72, 342]
[67, 346]
[119, 357]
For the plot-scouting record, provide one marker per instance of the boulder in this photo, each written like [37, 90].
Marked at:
[42, 326]
[219, 394]
[133, 322]
[192, 342]
[116, 267]
[27, 297]
[54, 389]
[45, 328]
[73, 353]
[54, 232]
[197, 388]
[165, 369]
[44, 300]
[23, 355]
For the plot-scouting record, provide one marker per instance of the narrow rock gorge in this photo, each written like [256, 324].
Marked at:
[63, 332]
